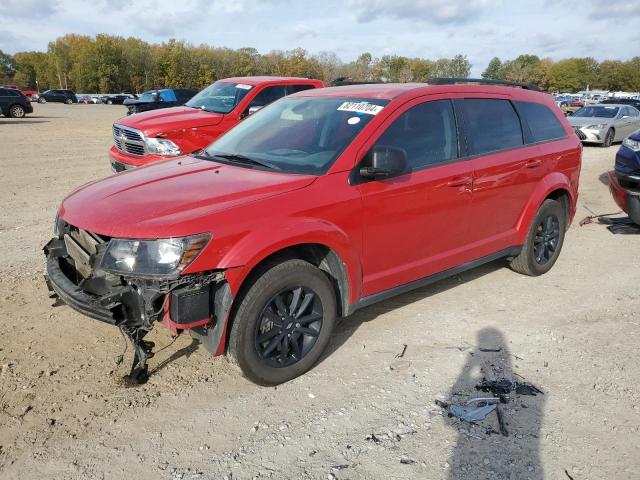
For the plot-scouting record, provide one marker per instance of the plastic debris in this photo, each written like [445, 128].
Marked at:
[468, 413]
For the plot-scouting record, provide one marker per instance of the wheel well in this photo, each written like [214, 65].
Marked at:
[319, 255]
[562, 196]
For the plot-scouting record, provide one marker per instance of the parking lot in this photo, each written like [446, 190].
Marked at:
[367, 409]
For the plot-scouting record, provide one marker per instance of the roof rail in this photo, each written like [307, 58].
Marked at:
[343, 81]
[483, 81]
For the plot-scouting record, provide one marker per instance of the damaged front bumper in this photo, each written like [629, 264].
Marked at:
[625, 190]
[197, 302]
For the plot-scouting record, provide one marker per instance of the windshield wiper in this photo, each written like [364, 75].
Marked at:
[235, 157]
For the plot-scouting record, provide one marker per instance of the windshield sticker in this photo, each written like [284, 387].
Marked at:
[244, 86]
[353, 120]
[360, 107]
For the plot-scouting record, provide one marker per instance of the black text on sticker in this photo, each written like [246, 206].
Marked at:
[360, 107]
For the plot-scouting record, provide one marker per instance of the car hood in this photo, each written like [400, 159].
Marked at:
[585, 121]
[155, 122]
[172, 198]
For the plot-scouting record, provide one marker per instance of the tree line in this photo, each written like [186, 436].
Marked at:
[107, 63]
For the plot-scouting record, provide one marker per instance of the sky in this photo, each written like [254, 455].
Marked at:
[480, 29]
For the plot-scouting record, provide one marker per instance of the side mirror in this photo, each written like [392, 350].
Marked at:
[384, 162]
[254, 109]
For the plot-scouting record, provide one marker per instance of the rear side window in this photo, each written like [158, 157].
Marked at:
[3, 93]
[168, 96]
[543, 124]
[492, 125]
[427, 132]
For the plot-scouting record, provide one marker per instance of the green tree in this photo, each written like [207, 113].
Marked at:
[7, 66]
[494, 69]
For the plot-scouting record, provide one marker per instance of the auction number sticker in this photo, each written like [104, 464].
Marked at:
[244, 86]
[360, 107]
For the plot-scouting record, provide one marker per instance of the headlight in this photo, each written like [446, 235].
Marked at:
[166, 257]
[632, 144]
[162, 146]
[598, 126]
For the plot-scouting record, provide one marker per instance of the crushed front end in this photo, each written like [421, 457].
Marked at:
[133, 284]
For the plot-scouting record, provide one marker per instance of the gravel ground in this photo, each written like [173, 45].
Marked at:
[364, 411]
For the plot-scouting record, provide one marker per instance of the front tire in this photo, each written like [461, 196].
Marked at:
[109, 102]
[544, 240]
[608, 138]
[42, 100]
[68, 101]
[17, 111]
[283, 323]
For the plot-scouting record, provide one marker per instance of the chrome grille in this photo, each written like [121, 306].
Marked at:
[128, 140]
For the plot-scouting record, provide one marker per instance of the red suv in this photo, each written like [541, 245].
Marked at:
[160, 134]
[320, 204]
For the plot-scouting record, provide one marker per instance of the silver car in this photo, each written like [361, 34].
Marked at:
[605, 124]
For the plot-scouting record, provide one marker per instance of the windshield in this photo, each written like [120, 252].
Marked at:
[147, 96]
[599, 112]
[298, 135]
[220, 97]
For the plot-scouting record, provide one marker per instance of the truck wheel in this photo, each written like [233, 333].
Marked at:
[16, 111]
[608, 138]
[544, 240]
[283, 323]
[68, 101]
[42, 100]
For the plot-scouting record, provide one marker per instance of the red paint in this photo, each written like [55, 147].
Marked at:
[618, 193]
[193, 129]
[386, 233]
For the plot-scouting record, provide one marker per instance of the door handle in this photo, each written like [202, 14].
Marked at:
[533, 163]
[459, 181]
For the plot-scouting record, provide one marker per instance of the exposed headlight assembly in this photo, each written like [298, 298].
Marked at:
[163, 257]
[632, 144]
[162, 146]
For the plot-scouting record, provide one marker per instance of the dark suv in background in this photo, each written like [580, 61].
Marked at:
[14, 103]
[61, 96]
[155, 99]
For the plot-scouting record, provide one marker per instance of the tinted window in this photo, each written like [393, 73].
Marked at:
[543, 124]
[492, 125]
[268, 95]
[3, 92]
[167, 96]
[299, 88]
[427, 132]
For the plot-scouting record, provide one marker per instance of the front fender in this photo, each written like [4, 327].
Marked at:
[552, 182]
[292, 232]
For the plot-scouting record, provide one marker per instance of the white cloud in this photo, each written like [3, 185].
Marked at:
[454, 11]
[28, 8]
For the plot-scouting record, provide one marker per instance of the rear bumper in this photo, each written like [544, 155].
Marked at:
[129, 161]
[628, 199]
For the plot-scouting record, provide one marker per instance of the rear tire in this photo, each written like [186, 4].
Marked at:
[17, 111]
[109, 102]
[544, 240]
[283, 323]
[608, 138]
[42, 100]
[68, 101]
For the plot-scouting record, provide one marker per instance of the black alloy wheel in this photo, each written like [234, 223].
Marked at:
[546, 239]
[283, 321]
[288, 327]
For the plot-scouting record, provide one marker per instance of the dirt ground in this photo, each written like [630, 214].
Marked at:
[364, 411]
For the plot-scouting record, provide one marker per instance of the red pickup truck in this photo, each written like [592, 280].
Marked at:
[29, 93]
[149, 137]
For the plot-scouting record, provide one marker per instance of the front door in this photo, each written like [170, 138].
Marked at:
[416, 224]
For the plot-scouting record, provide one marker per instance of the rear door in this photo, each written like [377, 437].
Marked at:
[4, 100]
[630, 121]
[505, 171]
[415, 224]
[264, 97]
